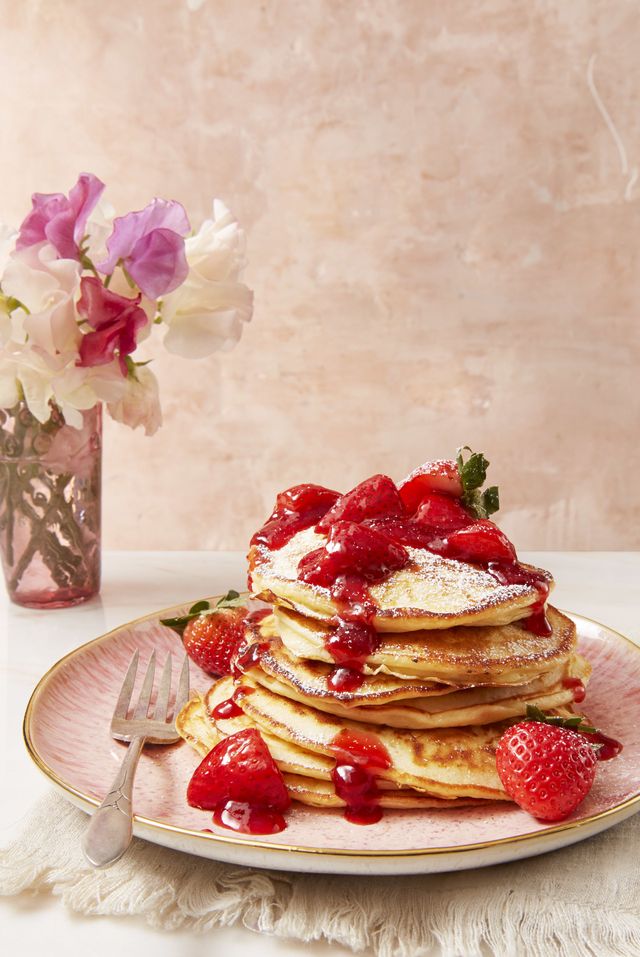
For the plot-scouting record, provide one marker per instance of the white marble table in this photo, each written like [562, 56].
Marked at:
[600, 585]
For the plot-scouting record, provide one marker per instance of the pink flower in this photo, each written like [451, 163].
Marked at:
[116, 320]
[150, 244]
[61, 220]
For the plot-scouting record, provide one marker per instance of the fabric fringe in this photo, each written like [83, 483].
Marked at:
[582, 900]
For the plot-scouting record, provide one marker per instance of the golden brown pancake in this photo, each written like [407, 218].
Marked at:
[379, 700]
[429, 593]
[463, 655]
[446, 763]
[307, 775]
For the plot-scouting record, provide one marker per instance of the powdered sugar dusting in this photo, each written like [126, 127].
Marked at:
[429, 583]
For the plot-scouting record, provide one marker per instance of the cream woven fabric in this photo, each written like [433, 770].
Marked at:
[583, 901]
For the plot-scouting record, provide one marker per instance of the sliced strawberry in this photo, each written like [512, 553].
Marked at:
[547, 770]
[305, 498]
[479, 543]
[377, 495]
[297, 508]
[213, 640]
[439, 476]
[352, 549]
[240, 769]
[441, 512]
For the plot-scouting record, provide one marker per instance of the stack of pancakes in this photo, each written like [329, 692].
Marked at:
[453, 666]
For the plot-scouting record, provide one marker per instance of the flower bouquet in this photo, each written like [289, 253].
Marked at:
[80, 290]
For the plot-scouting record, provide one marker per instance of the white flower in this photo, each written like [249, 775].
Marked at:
[47, 287]
[42, 378]
[139, 403]
[98, 230]
[206, 312]
[7, 243]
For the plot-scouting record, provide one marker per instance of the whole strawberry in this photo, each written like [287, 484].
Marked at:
[213, 639]
[546, 769]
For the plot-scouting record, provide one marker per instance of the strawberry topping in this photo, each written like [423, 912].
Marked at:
[241, 783]
[355, 549]
[377, 495]
[297, 508]
[441, 512]
[439, 476]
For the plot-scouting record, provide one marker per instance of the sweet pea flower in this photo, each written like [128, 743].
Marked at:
[61, 220]
[206, 313]
[116, 321]
[150, 245]
[139, 403]
[47, 287]
[30, 373]
[7, 243]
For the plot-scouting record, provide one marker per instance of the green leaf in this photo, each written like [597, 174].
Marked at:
[491, 500]
[473, 472]
[574, 723]
[473, 475]
[178, 624]
[199, 606]
[230, 600]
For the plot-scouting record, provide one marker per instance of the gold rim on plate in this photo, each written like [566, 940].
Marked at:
[154, 825]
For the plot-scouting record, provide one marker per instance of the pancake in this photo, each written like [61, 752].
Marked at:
[429, 593]
[306, 682]
[478, 655]
[322, 794]
[446, 763]
[307, 776]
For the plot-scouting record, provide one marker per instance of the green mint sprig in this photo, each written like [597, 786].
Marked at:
[473, 475]
[574, 723]
[231, 600]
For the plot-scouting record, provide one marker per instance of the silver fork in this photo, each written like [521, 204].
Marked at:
[110, 828]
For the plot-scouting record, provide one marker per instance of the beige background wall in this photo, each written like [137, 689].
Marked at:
[444, 242]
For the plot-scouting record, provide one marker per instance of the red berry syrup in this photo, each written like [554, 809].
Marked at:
[358, 756]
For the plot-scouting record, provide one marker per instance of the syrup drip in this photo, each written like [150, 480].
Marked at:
[358, 756]
[608, 747]
[350, 644]
[344, 679]
[249, 818]
[513, 573]
[230, 707]
[579, 690]
[254, 618]
[249, 659]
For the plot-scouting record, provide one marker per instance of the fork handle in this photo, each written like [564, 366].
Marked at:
[111, 825]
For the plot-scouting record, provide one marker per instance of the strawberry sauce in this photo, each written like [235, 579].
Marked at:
[579, 690]
[230, 707]
[607, 747]
[250, 658]
[358, 756]
[350, 644]
[249, 818]
[298, 508]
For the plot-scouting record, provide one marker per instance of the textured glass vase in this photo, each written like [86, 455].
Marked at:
[50, 504]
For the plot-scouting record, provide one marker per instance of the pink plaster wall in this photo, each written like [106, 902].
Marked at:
[444, 242]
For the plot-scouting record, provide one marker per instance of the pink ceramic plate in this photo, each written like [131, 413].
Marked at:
[66, 731]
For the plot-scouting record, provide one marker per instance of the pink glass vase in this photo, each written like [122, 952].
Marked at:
[50, 504]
